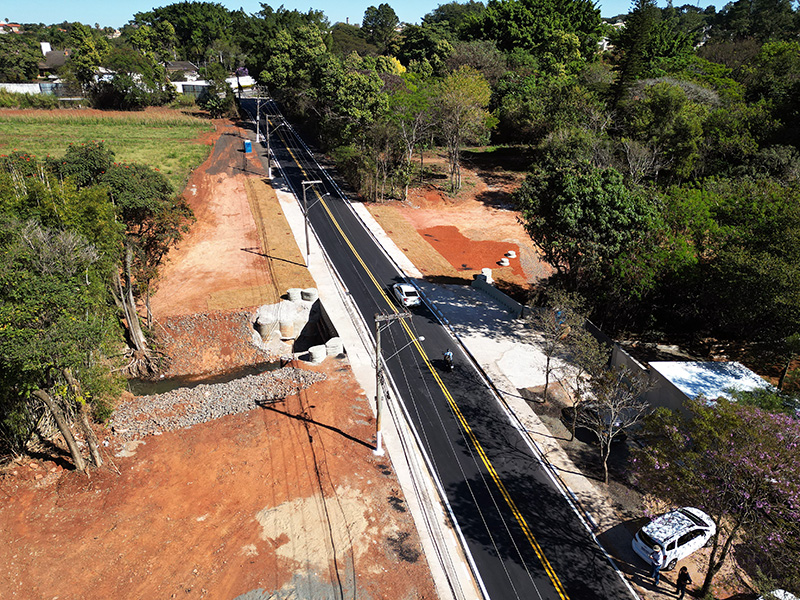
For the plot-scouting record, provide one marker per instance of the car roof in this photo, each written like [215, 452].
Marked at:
[779, 595]
[675, 522]
[406, 287]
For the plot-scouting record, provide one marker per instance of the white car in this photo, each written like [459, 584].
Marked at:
[679, 533]
[779, 595]
[406, 294]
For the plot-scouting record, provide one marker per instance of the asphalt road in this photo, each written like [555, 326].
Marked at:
[525, 539]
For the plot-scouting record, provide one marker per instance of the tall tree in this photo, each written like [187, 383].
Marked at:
[631, 45]
[537, 26]
[737, 463]
[380, 24]
[197, 26]
[583, 218]
[453, 15]
[461, 101]
[410, 111]
[155, 220]
[90, 49]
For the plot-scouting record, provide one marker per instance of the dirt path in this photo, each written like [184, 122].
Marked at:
[282, 501]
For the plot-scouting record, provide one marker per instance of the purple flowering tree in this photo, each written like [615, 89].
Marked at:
[738, 463]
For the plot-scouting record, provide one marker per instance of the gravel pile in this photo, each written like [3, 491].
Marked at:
[184, 407]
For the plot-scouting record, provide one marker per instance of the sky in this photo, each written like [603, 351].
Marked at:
[115, 13]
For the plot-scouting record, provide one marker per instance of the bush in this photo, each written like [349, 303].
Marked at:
[14, 100]
[183, 101]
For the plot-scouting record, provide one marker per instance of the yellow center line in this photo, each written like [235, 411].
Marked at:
[518, 516]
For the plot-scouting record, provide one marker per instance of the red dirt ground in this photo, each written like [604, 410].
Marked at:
[473, 230]
[287, 499]
[466, 254]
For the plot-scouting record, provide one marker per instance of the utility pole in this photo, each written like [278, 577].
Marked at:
[381, 318]
[306, 185]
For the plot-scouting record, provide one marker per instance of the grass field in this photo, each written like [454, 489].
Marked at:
[163, 138]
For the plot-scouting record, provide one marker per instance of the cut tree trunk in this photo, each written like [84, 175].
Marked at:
[129, 306]
[63, 427]
[83, 415]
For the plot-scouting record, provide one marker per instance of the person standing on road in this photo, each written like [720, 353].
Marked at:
[657, 561]
[684, 579]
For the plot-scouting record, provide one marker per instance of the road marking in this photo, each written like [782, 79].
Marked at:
[518, 516]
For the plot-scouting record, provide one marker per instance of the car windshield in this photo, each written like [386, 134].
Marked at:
[693, 518]
[411, 293]
[646, 539]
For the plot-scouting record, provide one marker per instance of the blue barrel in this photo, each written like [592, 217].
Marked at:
[248, 147]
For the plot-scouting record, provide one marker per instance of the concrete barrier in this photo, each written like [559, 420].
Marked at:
[511, 305]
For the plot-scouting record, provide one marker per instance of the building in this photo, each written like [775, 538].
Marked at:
[675, 381]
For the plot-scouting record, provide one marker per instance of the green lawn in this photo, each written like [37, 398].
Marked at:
[163, 139]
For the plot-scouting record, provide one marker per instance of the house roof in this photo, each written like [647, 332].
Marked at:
[712, 380]
[54, 59]
[181, 65]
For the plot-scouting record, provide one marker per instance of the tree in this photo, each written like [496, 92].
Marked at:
[561, 325]
[90, 49]
[155, 220]
[737, 463]
[537, 26]
[352, 100]
[19, 60]
[54, 324]
[664, 117]
[631, 45]
[453, 15]
[379, 24]
[196, 26]
[615, 405]
[481, 55]
[461, 100]
[424, 43]
[582, 218]
[348, 38]
[218, 98]
[410, 111]
[294, 60]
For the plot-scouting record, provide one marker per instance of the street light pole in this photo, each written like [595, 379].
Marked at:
[258, 117]
[269, 154]
[380, 318]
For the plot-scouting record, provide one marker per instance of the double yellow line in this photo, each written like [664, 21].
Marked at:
[518, 516]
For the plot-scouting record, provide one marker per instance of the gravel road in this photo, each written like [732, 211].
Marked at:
[184, 407]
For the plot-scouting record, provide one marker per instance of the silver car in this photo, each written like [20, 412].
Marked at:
[406, 294]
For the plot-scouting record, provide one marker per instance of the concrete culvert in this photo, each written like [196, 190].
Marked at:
[334, 347]
[317, 354]
[287, 329]
[294, 294]
[310, 294]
